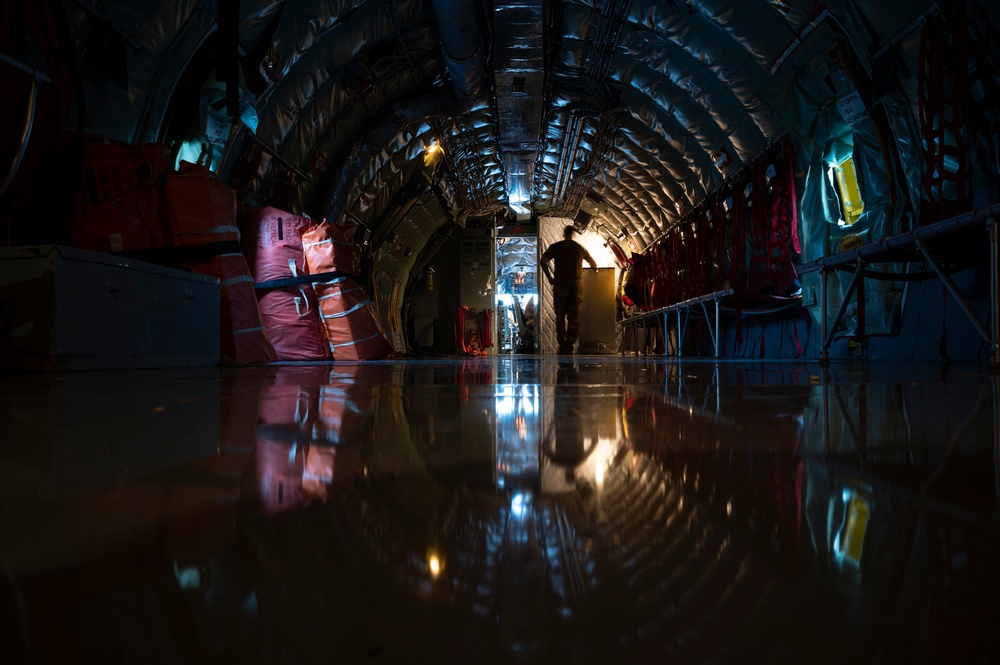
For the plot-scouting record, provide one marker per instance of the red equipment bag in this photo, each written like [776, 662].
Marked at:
[473, 331]
[272, 243]
[352, 325]
[272, 238]
[349, 318]
[331, 246]
[201, 211]
[119, 204]
[484, 325]
[243, 338]
[292, 322]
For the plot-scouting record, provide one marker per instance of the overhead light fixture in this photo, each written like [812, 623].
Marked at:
[433, 154]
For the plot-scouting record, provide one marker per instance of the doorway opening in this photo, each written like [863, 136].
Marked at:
[517, 294]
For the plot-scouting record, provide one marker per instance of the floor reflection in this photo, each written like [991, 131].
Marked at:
[517, 509]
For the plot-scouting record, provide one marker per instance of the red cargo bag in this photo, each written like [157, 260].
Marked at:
[272, 244]
[352, 325]
[202, 213]
[349, 318]
[332, 247]
[272, 238]
[119, 204]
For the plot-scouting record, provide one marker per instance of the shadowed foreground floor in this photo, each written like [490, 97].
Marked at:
[519, 509]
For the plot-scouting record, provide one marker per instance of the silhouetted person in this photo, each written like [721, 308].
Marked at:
[569, 256]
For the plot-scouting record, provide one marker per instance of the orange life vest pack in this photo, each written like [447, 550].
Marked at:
[201, 210]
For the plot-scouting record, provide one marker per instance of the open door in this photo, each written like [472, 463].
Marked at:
[517, 294]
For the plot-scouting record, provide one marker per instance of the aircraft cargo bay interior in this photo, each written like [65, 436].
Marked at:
[537, 331]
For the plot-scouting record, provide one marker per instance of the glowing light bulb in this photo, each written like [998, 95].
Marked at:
[434, 565]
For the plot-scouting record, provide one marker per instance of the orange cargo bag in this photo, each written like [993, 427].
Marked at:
[201, 211]
[349, 318]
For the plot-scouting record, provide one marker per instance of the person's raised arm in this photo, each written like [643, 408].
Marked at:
[544, 261]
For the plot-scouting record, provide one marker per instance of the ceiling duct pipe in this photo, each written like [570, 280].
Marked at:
[463, 50]
[518, 64]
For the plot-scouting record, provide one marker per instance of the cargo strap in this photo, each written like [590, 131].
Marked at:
[303, 279]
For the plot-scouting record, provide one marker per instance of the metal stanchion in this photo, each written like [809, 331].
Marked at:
[716, 327]
[828, 336]
[994, 287]
[996, 437]
[957, 294]
[822, 313]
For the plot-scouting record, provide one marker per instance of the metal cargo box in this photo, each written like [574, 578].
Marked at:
[63, 308]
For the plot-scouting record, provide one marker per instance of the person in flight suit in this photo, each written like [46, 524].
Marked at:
[568, 256]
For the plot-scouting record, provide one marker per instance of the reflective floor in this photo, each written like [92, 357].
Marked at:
[522, 509]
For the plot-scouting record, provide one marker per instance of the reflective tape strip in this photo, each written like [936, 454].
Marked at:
[237, 280]
[246, 330]
[302, 291]
[350, 311]
[328, 241]
[353, 342]
[333, 282]
[339, 295]
[308, 475]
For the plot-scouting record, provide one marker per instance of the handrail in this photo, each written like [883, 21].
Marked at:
[715, 295]
[38, 74]
[981, 215]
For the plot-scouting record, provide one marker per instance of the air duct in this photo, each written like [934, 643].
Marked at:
[519, 73]
[463, 51]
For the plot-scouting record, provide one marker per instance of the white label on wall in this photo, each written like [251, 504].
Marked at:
[852, 109]
[216, 131]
